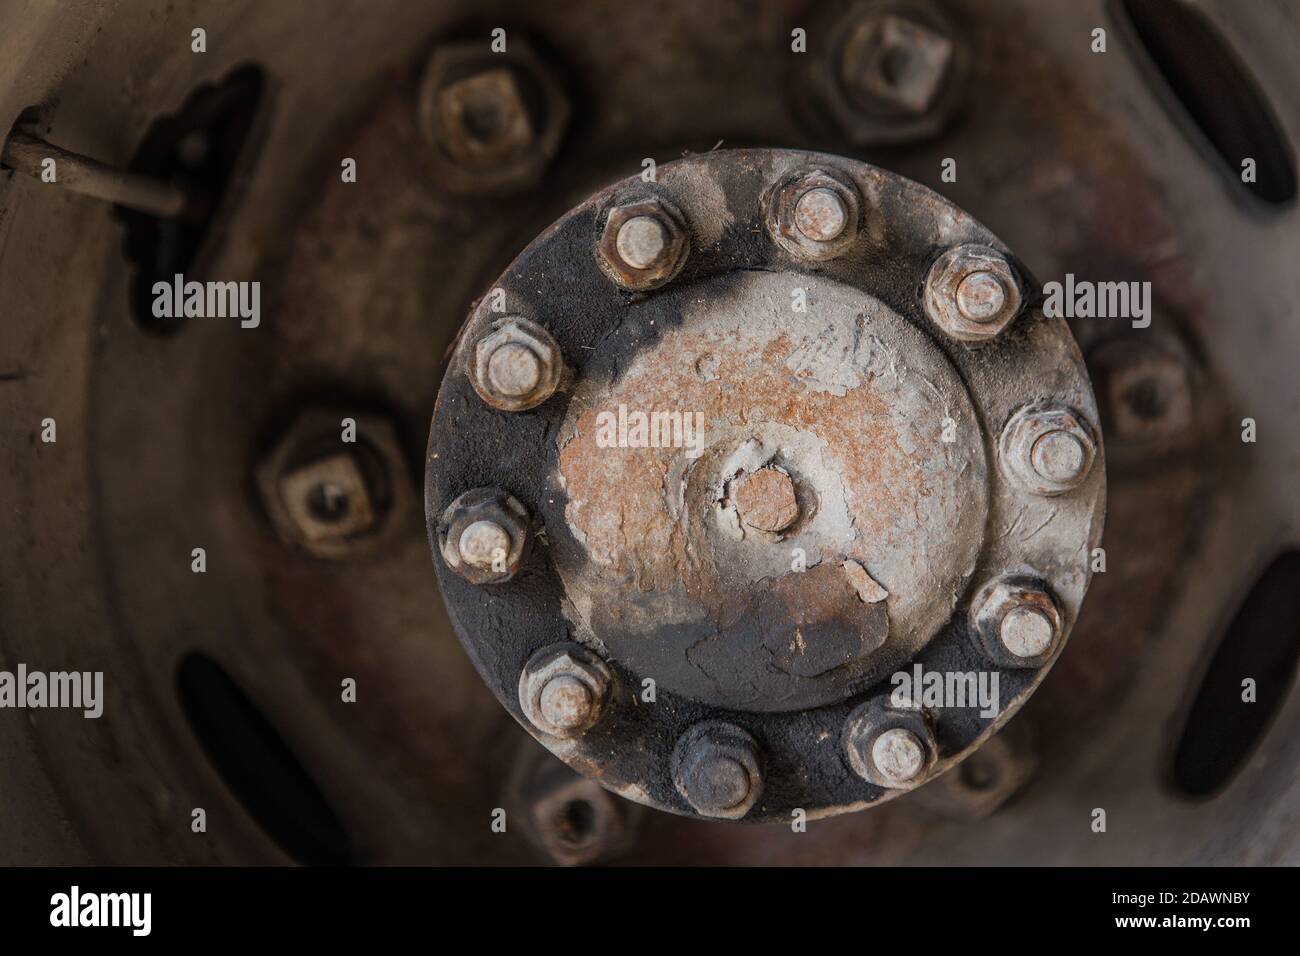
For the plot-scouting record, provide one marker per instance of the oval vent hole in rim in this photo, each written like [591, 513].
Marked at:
[1218, 93]
[258, 766]
[1262, 643]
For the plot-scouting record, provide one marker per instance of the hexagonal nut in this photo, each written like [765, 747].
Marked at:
[1047, 449]
[643, 243]
[887, 746]
[716, 768]
[563, 689]
[1145, 390]
[578, 823]
[1017, 621]
[515, 365]
[972, 293]
[570, 819]
[814, 213]
[485, 536]
[331, 498]
[494, 121]
[897, 75]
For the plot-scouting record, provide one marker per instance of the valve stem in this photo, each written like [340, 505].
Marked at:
[25, 154]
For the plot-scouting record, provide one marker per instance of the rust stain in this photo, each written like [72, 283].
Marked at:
[618, 497]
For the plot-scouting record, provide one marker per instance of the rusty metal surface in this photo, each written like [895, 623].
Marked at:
[1067, 156]
[879, 419]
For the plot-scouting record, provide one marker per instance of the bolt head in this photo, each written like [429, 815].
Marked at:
[715, 767]
[1059, 457]
[887, 746]
[643, 244]
[898, 754]
[516, 364]
[514, 370]
[483, 542]
[566, 702]
[820, 214]
[1017, 621]
[813, 213]
[563, 689]
[981, 297]
[1026, 632]
[765, 499]
[971, 293]
[484, 536]
[1047, 449]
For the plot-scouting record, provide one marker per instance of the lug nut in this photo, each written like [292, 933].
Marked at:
[896, 75]
[494, 121]
[765, 499]
[1017, 621]
[484, 536]
[888, 747]
[813, 213]
[896, 64]
[516, 366]
[1047, 449]
[1147, 390]
[483, 118]
[329, 498]
[715, 767]
[572, 820]
[971, 293]
[643, 244]
[563, 689]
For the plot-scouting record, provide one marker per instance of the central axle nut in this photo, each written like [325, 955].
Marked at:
[1017, 621]
[765, 499]
[516, 366]
[971, 293]
[813, 214]
[643, 243]
[484, 536]
[1047, 449]
[889, 747]
[715, 767]
[563, 689]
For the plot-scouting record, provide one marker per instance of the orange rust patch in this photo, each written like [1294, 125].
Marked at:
[618, 497]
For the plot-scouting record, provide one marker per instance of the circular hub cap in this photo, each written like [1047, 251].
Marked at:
[766, 491]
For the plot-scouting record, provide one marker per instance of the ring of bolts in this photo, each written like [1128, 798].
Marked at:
[971, 293]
